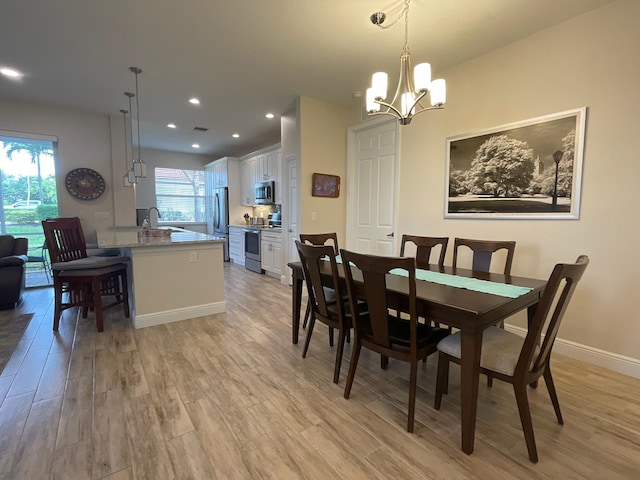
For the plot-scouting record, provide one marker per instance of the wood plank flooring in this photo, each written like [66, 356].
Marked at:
[229, 397]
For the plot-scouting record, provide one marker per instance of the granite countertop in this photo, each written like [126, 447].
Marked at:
[258, 227]
[123, 237]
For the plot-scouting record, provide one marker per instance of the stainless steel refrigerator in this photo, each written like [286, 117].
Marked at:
[218, 217]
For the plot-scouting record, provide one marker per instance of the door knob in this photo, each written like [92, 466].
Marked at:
[390, 235]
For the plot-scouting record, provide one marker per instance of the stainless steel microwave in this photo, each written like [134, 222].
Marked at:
[265, 193]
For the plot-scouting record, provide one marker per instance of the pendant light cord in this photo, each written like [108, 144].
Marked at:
[137, 71]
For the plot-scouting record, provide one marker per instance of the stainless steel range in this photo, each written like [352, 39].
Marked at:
[252, 260]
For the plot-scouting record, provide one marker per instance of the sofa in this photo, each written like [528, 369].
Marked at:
[13, 268]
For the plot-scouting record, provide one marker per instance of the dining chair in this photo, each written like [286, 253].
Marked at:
[483, 251]
[324, 307]
[402, 339]
[318, 239]
[518, 360]
[84, 279]
[423, 248]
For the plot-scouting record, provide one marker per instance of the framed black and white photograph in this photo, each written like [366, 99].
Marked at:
[530, 169]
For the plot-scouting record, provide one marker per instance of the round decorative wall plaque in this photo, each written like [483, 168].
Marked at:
[84, 183]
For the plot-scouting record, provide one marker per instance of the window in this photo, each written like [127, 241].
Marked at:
[180, 195]
[28, 194]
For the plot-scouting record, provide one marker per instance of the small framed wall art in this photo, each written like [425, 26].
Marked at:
[324, 185]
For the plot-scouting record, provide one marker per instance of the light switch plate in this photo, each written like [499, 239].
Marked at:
[193, 256]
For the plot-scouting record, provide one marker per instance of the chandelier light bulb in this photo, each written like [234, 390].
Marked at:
[379, 82]
[438, 92]
[372, 105]
[422, 77]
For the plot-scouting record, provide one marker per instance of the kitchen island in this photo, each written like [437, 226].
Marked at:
[173, 277]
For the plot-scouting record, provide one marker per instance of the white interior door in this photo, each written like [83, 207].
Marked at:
[292, 216]
[373, 172]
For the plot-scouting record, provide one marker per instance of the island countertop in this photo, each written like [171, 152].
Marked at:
[129, 237]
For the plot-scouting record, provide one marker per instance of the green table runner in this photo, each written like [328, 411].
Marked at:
[475, 284]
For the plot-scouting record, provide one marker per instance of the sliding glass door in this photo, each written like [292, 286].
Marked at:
[28, 195]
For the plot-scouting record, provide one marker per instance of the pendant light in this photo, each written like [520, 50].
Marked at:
[130, 174]
[125, 177]
[139, 167]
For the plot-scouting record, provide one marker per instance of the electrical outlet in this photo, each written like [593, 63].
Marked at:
[313, 216]
[193, 256]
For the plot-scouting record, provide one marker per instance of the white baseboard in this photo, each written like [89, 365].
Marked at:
[594, 356]
[150, 319]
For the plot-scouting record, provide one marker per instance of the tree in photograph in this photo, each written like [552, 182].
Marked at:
[565, 169]
[502, 166]
[36, 151]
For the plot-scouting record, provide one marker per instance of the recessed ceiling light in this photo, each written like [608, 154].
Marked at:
[194, 101]
[235, 135]
[10, 72]
[195, 145]
[171, 125]
[269, 115]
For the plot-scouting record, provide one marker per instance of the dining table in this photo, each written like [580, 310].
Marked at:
[452, 301]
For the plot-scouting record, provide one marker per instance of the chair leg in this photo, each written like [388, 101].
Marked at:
[489, 381]
[355, 355]
[331, 336]
[336, 371]
[384, 362]
[442, 380]
[413, 378]
[307, 314]
[312, 323]
[548, 380]
[525, 417]
[125, 293]
[57, 310]
[96, 300]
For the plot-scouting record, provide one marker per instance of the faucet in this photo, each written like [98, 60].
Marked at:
[159, 216]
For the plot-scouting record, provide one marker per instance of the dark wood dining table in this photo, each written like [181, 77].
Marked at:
[469, 311]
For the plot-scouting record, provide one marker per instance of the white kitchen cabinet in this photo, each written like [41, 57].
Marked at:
[217, 172]
[248, 180]
[271, 251]
[278, 177]
[266, 167]
[236, 245]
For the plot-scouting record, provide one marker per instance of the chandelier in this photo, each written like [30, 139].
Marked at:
[407, 101]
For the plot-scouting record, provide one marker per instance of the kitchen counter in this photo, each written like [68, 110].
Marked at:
[172, 278]
[258, 227]
[129, 237]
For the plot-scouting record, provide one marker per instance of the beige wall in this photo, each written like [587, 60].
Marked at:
[83, 141]
[323, 133]
[588, 61]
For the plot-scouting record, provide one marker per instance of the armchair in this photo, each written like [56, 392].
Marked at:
[13, 259]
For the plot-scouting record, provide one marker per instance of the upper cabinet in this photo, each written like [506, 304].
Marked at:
[248, 180]
[260, 167]
[218, 173]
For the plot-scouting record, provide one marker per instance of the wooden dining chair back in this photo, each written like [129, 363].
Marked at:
[318, 239]
[83, 279]
[391, 337]
[321, 239]
[323, 291]
[423, 248]
[483, 251]
[517, 360]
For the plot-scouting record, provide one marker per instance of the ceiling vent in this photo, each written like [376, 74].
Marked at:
[200, 129]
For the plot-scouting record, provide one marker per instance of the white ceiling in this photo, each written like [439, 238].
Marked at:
[242, 58]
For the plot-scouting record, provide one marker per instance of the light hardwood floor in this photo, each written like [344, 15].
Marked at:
[229, 397]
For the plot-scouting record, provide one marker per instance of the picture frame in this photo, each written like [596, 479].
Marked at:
[324, 185]
[531, 169]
